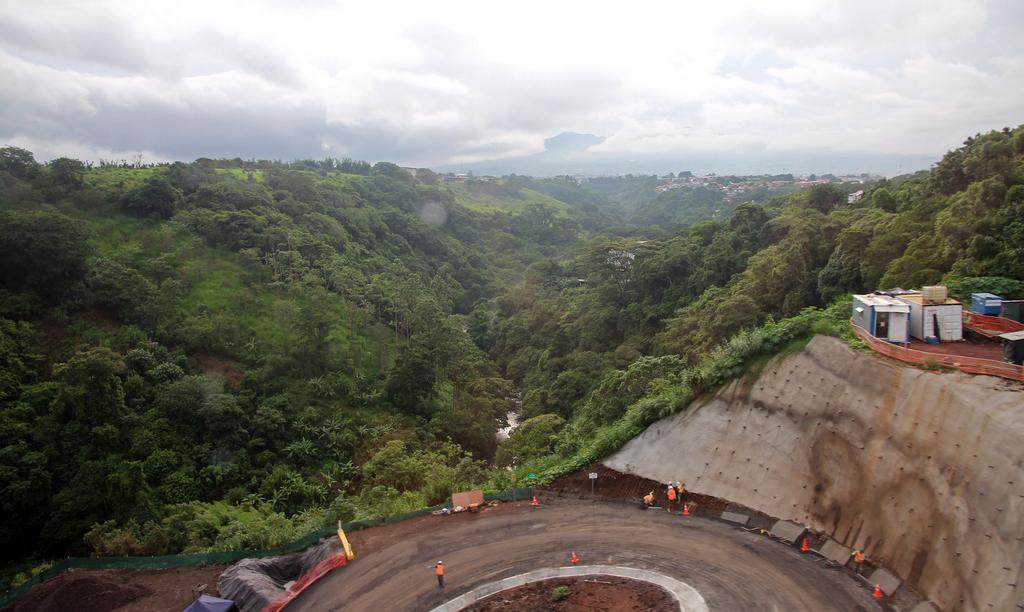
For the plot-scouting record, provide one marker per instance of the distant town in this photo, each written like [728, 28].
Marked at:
[736, 186]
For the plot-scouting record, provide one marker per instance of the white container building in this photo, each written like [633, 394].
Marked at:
[882, 316]
[925, 314]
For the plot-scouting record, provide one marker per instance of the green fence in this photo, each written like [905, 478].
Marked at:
[222, 558]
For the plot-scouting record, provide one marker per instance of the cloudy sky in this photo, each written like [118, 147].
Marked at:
[434, 83]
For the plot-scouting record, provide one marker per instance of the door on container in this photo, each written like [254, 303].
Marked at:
[898, 328]
[882, 325]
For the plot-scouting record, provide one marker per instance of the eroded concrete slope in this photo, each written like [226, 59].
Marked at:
[922, 469]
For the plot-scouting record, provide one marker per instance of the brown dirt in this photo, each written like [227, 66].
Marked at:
[968, 348]
[595, 593]
[122, 590]
[612, 485]
[212, 365]
[377, 538]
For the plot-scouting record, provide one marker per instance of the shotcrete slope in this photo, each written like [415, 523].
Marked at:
[921, 469]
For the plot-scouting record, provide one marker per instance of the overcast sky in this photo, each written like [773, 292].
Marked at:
[432, 83]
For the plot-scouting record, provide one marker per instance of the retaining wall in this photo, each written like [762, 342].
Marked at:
[921, 469]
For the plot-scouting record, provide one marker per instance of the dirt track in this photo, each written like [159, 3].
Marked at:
[732, 569]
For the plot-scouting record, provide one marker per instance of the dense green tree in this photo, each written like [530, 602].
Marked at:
[42, 252]
[535, 437]
[67, 173]
[18, 162]
[156, 197]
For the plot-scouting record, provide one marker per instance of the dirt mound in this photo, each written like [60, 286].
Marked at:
[592, 593]
[80, 591]
[612, 485]
[122, 590]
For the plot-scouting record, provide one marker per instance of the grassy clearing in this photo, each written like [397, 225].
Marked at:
[114, 179]
[243, 175]
[483, 202]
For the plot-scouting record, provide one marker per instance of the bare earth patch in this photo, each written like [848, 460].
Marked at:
[589, 593]
[121, 590]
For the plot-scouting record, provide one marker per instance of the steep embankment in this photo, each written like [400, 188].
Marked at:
[921, 469]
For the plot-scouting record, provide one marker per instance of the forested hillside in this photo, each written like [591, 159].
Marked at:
[633, 340]
[226, 354]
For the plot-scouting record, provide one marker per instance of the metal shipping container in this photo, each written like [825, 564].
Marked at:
[1013, 309]
[882, 316]
[1013, 347]
[986, 304]
[923, 318]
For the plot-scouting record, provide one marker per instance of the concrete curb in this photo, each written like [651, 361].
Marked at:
[688, 597]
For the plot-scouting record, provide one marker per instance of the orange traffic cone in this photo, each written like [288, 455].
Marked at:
[534, 504]
[686, 509]
[574, 559]
[878, 592]
[804, 547]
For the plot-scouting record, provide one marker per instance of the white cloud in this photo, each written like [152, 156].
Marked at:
[430, 83]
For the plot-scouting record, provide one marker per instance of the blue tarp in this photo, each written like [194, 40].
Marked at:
[207, 603]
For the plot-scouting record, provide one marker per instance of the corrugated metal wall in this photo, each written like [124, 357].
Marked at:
[951, 325]
[862, 319]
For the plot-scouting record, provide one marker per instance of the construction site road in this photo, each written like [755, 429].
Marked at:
[731, 568]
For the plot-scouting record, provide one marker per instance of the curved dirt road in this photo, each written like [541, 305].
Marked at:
[732, 569]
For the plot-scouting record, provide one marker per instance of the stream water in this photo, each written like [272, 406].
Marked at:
[512, 415]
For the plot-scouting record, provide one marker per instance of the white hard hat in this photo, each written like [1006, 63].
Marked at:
[440, 562]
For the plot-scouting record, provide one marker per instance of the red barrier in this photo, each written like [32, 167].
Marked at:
[318, 572]
[971, 365]
[990, 326]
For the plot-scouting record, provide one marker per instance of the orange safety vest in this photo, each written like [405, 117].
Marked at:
[858, 557]
[671, 494]
[439, 570]
[648, 499]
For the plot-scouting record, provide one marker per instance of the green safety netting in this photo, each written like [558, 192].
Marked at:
[223, 558]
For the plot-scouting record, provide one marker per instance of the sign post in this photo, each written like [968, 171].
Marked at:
[532, 478]
[593, 479]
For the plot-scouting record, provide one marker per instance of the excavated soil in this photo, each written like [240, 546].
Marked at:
[590, 594]
[612, 485]
[121, 590]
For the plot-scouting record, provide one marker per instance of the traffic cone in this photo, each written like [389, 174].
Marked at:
[574, 559]
[534, 503]
[804, 547]
[686, 509]
[878, 592]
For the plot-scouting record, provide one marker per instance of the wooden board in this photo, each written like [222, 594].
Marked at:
[467, 498]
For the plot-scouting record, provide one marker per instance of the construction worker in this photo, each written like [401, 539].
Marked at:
[670, 493]
[858, 560]
[649, 499]
[439, 572]
[681, 492]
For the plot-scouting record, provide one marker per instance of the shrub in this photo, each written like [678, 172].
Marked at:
[560, 593]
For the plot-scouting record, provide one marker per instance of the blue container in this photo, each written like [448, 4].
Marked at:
[986, 304]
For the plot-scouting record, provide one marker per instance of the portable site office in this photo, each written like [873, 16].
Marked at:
[925, 314]
[882, 316]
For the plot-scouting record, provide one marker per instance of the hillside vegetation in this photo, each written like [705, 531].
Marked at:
[227, 354]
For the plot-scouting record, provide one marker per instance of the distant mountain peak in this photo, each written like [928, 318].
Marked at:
[567, 142]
